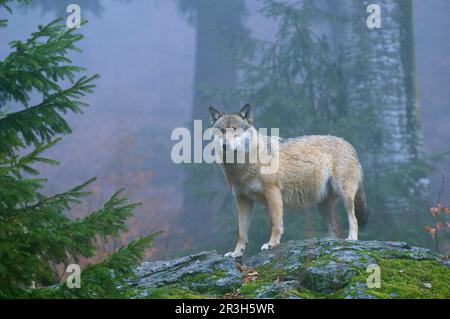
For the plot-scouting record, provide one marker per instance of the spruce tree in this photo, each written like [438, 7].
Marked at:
[36, 232]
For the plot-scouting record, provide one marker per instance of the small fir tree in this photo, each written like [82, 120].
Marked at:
[36, 233]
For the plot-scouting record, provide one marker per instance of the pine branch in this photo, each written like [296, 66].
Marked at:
[16, 165]
[56, 203]
[16, 192]
[39, 64]
[38, 124]
[104, 279]
[107, 221]
[122, 260]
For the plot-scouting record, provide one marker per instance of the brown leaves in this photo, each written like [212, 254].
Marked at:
[249, 274]
[431, 230]
[435, 211]
[438, 209]
[231, 295]
[440, 222]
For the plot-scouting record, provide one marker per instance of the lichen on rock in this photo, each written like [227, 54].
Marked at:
[203, 273]
[314, 268]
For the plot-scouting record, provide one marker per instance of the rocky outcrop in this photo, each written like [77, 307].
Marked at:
[204, 273]
[315, 268]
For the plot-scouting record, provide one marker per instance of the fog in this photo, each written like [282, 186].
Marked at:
[145, 52]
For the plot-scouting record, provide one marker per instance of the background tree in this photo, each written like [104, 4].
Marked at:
[219, 28]
[36, 235]
[379, 79]
[59, 6]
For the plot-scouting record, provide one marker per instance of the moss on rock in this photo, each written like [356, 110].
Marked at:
[172, 292]
[317, 268]
[405, 278]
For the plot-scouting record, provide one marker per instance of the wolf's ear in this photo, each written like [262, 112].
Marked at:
[246, 114]
[214, 115]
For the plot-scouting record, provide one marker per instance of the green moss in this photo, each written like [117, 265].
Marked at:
[248, 289]
[271, 272]
[405, 278]
[171, 292]
[400, 278]
[203, 283]
[308, 294]
[321, 261]
[192, 286]
[193, 279]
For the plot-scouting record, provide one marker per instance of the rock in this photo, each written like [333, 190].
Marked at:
[427, 285]
[446, 262]
[277, 290]
[314, 268]
[328, 267]
[357, 291]
[327, 278]
[206, 272]
[393, 295]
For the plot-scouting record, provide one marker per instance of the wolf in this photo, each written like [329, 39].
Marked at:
[312, 170]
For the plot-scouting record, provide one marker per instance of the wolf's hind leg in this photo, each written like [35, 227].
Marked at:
[275, 209]
[349, 203]
[327, 210]
[244, 209]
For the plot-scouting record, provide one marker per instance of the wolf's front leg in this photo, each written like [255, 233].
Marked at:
[275, 209]
[244, 209]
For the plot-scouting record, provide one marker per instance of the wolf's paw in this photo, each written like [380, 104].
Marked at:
[268, 246]
[351, 238]
[234, 254]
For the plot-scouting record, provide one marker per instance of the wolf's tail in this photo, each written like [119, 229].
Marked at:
[362, 214]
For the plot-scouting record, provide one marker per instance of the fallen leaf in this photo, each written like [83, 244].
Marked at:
[249, 274]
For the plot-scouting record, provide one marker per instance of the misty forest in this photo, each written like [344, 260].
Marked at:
[87, 113]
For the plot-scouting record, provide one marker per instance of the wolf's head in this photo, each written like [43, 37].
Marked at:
[236, 128]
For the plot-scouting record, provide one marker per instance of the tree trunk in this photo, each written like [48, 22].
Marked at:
[217, 23]
[378, 67]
